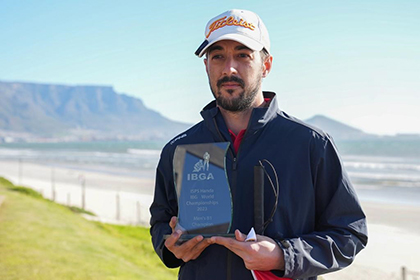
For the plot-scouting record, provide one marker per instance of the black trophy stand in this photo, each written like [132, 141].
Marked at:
[259, 199]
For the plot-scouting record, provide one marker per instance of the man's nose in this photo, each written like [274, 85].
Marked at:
[230, 67]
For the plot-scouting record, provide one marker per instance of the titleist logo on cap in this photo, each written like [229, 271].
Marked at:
[221, 22]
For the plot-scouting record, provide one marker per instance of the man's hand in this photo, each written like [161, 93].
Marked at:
[189, 250]
[263, 254]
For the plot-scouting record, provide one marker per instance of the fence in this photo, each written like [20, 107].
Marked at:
[409, 274]
[113, 198]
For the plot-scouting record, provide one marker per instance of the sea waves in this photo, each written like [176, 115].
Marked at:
[383, 171]
[131, 159]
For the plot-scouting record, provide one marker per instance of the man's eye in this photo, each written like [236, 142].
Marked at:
[243, 55]
[217, 56]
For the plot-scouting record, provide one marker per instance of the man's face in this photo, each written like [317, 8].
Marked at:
[235, 73]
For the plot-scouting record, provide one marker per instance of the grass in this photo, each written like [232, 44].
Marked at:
[40, 239]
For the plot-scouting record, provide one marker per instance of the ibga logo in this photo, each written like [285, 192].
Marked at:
[200, 168]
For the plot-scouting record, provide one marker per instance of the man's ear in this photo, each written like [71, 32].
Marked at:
[268, 62]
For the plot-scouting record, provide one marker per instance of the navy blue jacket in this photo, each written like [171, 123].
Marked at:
[319, 223]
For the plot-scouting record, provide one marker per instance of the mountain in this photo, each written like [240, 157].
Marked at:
[29, 110]
[338, 130]
[46, 110]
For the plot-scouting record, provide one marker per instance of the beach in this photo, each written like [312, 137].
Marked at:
[394, 242]
[114, 198]
[124, 198]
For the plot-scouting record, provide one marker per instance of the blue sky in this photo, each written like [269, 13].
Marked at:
[355, 61]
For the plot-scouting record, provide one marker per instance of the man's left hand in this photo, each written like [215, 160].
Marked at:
[263, 254]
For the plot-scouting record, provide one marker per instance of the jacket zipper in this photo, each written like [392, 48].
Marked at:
[229, 253]
[234, 158]
[244, 137]
[234, 167]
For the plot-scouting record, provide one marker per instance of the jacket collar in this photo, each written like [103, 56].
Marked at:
[259, 117]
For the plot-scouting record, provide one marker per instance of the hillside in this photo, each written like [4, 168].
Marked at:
[43, 240]
[338, 130]
[94, 111]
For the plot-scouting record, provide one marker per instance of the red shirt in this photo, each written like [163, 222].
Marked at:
[237, 139]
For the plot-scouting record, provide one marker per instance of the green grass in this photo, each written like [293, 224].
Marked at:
[40, 239]
[25, 190]
[80, 210]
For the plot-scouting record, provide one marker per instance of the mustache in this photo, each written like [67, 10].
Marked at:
[227, 79]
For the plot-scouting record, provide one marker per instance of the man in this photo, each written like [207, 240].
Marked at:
[318, 225]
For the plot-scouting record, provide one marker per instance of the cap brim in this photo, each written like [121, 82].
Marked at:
[245, 40]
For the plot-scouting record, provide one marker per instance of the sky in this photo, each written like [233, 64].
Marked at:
[356, 61]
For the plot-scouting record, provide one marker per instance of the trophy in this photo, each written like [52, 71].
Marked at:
[203, 192]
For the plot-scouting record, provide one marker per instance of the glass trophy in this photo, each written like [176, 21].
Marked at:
[203, 192]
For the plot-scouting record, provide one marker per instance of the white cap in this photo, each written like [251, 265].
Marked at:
[241, 26]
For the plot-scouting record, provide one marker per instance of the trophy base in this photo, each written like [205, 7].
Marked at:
[186, 237]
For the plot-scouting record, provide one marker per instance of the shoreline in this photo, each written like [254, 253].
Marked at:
[394, 233]
[102, 178]
[113, 198]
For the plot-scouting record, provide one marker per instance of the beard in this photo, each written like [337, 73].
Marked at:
[243, 101]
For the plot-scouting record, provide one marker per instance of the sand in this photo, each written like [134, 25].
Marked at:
[394, 230]
[394, 242]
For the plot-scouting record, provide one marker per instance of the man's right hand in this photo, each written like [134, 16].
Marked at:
[189, 250]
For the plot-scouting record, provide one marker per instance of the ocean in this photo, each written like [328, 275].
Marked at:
[382, 170]
[136, 159]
